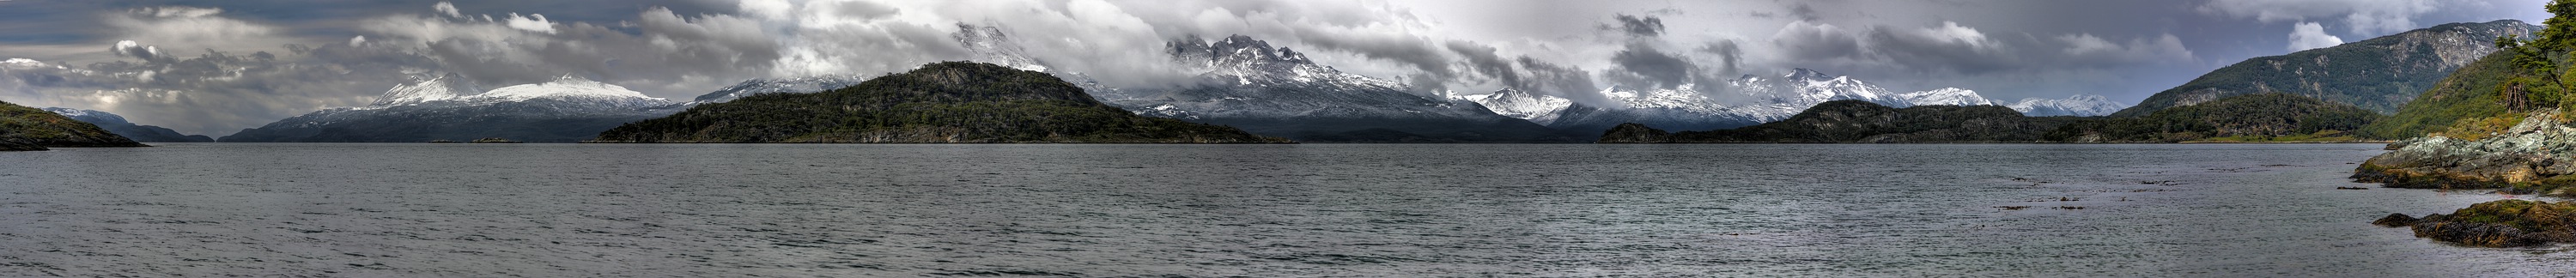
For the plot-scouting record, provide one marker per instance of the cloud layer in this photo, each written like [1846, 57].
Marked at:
[225, 66]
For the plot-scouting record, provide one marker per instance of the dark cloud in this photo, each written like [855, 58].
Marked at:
[1730, 57]
[1804, 12]
[1562, 81]
[1637, 26]
[1816, 41]
[1482, 60]
[1947, 47]
[1643, 66]
[1409, 50]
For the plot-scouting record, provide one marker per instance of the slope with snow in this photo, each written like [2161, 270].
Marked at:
[798, 85]
[566, 109]
[117, 124]
[1744, 101]
[1277, 91]
[2077, 105]
[1515, 103]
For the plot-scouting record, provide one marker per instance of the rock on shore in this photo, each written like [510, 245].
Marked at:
[2502, 223]
[2532, 157]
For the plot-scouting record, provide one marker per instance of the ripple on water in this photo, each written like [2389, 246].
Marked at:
[1198, 211]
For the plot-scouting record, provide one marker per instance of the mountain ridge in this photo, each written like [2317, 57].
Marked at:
[117, 124]
[946, 102]
[2358, 71]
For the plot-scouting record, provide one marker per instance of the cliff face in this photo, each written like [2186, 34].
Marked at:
[948, 102]
[2530, 157]
[23, 128]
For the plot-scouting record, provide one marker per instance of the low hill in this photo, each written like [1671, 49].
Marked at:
[29, 129]
[2255, 117]
[946, 102]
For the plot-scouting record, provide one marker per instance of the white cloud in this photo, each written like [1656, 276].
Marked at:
[531, 23]
[1812, 41]
[2094, 50]
[191, 28]
[2310, 35]
[178, 11]
[445, 8]
[2362, 17]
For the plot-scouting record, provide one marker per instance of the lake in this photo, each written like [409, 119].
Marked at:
[549, 210]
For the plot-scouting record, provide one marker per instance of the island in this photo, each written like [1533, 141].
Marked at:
[945, 102]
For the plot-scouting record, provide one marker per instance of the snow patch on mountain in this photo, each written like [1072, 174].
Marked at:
[989, 42]
[1515, 103]
[86, 115]
[2077, 105]
[452, 90]
[427, 88]
[1944, 96]
[798, 85]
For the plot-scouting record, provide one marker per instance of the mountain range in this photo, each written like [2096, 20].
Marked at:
[1749, 100]
[947, 102]
[117, 124]
[449, 107]
[1240, 81]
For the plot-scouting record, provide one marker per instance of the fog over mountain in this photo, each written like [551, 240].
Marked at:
[213, 67]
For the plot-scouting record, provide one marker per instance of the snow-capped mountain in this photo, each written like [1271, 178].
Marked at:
[446, 107]
[1944, 96]
[1248, 84]
[2077, 105]
[1509, 102]
[116, 124]
[1743, 101]
[427, 88]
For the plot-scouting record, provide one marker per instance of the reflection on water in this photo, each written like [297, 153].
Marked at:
[1261, 210]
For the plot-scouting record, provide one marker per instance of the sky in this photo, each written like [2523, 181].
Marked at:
[215, 67]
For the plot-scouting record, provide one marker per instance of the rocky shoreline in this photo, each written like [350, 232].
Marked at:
[2532, 157]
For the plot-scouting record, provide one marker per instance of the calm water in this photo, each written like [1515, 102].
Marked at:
[1162, 210]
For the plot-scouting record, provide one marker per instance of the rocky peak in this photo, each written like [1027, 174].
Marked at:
[1252, 59]
[427, 88]
[990, 45]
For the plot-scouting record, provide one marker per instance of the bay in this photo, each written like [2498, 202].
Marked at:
[551, 210]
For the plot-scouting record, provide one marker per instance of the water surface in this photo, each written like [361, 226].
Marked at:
[1251, 210]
